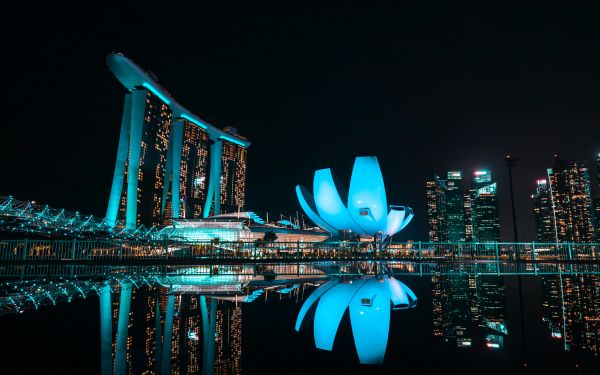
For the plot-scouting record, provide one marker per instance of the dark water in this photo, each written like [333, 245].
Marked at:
[461, 324]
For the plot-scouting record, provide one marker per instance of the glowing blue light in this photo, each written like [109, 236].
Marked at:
[330, 205]
[193, 120]
[367, 191]
[307, 203]
[368, 300]
[366, 212]
[233, 140]
[156, 92]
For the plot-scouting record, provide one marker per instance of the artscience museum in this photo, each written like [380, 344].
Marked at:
[363, 210]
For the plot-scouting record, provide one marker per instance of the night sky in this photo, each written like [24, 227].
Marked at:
[423, 88]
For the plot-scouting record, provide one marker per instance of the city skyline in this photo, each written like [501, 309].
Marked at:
[408, 88]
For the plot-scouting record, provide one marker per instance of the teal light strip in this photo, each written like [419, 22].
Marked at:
[191, 119]
[156, 92]
[233, 140]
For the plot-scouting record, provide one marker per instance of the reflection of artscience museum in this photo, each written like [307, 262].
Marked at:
[370, 301]
[363, 210]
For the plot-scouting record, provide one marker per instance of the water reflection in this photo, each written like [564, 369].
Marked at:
[212, 329]
[462, 302]
[571, 310]
[369, 300]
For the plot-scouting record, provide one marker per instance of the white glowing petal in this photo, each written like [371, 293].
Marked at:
[394, 222]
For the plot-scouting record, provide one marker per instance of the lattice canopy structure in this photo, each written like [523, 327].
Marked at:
[32, 218]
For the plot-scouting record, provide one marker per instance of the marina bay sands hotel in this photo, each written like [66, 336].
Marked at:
[170, 163]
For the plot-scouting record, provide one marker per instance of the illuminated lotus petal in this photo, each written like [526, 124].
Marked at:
[367, 202]
[371, 339]
[329, 204]
[407, 217]
[394, 221]
[307, 203]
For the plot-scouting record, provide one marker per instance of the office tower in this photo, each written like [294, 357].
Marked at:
[455, 207]
[542, 211]
[468, 203]
[484, 208]
[170, 163]
[597, 199]
[436, 209]
[571, 200]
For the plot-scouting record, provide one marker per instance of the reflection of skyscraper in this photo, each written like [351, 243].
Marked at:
[452, 315]
[461, 303]
[186, 356]
[484, 207]
[436, 209]
[571, 308]
[571, 195]
[228, 346]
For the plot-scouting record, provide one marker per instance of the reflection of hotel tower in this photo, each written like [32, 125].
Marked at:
[228, 339]
[184, 167]
[462, 302]
[186, 346]
[571, 308]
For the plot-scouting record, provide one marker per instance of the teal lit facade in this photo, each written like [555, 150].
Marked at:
[170, 163]
[365, 213]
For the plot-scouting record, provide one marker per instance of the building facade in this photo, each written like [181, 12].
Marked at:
[436, 209]
[457, 214]
[543, 213]
[170, 163]
[455, 207]
[571, 201]
[484, 208]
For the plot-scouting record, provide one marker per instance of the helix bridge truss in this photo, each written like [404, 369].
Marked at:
[29, 217]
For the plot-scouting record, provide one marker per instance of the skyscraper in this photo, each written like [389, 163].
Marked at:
[543, 213]
[170, 163]
[233, 177]
[436, 209]
[455, 207]
[571, 200]
[484, 207]
[597, 199]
